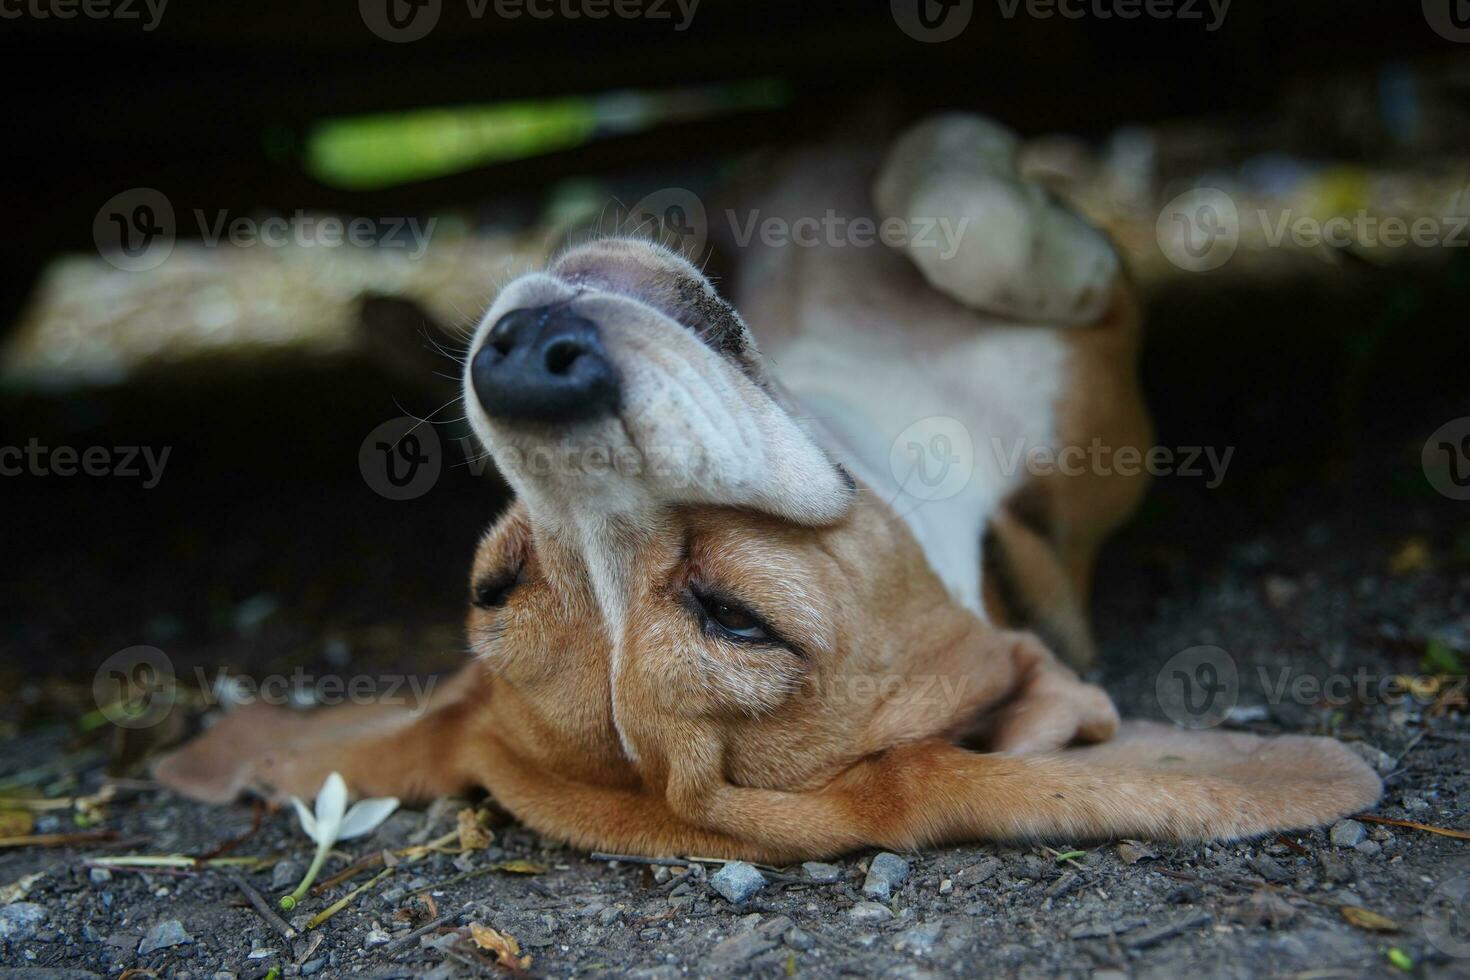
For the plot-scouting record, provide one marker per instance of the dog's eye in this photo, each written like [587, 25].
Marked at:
[493, 591]
[732, 619]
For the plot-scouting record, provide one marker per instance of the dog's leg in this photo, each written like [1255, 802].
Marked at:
[984, 236]
[381, 750]
[1152, 782]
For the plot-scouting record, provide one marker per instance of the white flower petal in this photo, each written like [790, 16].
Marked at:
[365, 816]
[331, 803]
[308, 822]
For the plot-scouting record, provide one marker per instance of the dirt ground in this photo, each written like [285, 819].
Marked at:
[1341, 585]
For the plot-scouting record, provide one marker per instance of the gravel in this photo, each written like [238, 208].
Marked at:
[884, 873]
[1347, 833]
[737, 881]
[1189, 574]
[20, 921]
[169, 932]
[822, 873]
[869, 912]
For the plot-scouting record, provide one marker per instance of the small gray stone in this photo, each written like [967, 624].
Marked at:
[980, 872]
[1380, 760]
[919, 939]
[799, 940]
[737, 881]
[609, 915]
[1335, 868]
[1368, 848]
[393, 896]
[1347, 833]
[99, 876]
[1268, 868]
[886, 871]
[376, 937]
[739, 948]
[169, 932]
[823, 873]
[19, 921]
[313, 966]
[869, 912]
[285, 875]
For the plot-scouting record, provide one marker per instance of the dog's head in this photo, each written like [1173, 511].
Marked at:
[687, 585]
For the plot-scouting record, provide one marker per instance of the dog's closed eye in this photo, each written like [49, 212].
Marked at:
[729, 619]
[493, 591]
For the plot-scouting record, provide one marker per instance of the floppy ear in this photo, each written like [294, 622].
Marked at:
[1152, 781]
[380, 749]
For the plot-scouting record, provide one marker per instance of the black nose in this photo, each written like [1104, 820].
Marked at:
[544, 364]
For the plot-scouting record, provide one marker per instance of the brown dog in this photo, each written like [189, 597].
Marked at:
[734, 616]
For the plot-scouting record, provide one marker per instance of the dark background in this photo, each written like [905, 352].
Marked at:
[1327, 384]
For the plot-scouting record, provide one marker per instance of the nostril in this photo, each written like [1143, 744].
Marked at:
[561, 355]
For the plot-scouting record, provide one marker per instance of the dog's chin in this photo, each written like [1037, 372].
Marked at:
[691, 425]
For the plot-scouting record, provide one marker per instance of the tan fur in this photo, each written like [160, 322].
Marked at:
[601, 710]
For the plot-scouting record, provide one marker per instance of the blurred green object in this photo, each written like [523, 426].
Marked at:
[380, 150]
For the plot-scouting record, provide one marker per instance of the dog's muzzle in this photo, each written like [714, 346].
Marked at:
[545, 364]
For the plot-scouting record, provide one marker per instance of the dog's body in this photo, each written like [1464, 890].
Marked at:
[722, 618]
[874, 356]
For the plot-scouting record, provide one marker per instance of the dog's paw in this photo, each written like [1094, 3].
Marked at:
[995, 242]
[1053, 711]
